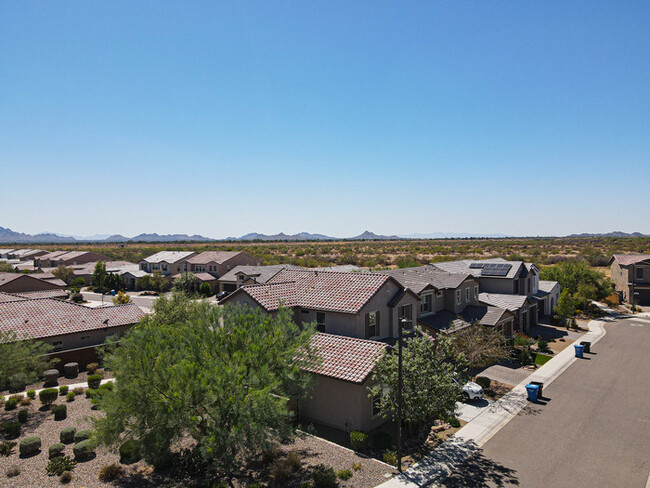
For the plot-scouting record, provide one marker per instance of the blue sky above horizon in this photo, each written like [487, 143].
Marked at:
[215, 118]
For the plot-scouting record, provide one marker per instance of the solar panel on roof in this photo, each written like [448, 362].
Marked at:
[476, 265]
[496, 269]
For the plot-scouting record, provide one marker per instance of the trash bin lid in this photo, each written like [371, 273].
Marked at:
[532, 387]
[579, 346]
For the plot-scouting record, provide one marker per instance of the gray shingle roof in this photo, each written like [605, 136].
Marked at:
[419, 278]
[547, 286]
[509, 302]
[448, 322]
[463, 266]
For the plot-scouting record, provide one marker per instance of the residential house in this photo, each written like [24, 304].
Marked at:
[4, 253]
[68, 258]
[202, 278]
[18, 282]
[548, 294]
[250, 275]
[166, 263]
[631, 276]
[218, 263]
[340, 396]
[362, 305]
[523, 308]
[26, 254]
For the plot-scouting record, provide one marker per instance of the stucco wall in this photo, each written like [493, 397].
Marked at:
[28, 283]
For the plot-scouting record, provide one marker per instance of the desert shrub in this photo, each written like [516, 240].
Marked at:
[454, 422]
[380, 440]
[77, 297]
[84, 450]
[82, 435]
[11, 404]
[90, 392]
[484, 382]
[6, 448]
[12, 429]
[65, 478]
[389, 457]
[293, 461]
[70, 396]
[60, 464]
[23, 413]
[542, 345]
[130, 452]
[60, 412]
[323, 476]
[280, 472]
[63, 390]
[18, 381]
[92, 368]
[30, 446]
[110, 472]
[48, 396]
[25, 401]
[344, 474]
[359, 440]
[94, 381]
[51, 377]
[357, 466]
[31, 394]
[13, 471]
[67, 435]
[79, 390]
[269, 455]
[55, 450]
[525, 357]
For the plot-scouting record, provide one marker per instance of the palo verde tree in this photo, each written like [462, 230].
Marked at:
[221, 376]
[481, 346]
[432, 373]
[21, 361]
[64, 273]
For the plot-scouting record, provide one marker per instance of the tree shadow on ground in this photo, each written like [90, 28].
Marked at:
[478, 472]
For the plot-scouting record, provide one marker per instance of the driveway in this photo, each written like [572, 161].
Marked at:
[467, 411]
[592, 428]
[143, 302]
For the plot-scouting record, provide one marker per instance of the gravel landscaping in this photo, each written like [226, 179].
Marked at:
[366, 472]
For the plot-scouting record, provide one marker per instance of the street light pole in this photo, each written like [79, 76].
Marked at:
[399, 394]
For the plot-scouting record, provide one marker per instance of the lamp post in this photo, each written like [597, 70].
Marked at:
[399, 393]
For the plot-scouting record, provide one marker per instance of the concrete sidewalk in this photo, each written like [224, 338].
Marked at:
[443, 460]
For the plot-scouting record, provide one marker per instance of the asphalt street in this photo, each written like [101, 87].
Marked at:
[591, 429]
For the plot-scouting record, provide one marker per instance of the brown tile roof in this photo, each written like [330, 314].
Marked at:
[213, 257]
[42, 294]
[417, 279]
[628, 259]
[200, 276]
[271, 295]
[500, 300]
[9, 277]
[344, 358]
[47, 317]
[9, 297]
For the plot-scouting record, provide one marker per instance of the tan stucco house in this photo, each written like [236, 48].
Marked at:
[631, 276]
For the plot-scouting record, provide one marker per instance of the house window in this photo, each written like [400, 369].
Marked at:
[406, 312]
[425, 304]
[372, 324]
[458, 297]
[467, 294]
[476, 292]
[320, 321]
[639, 273]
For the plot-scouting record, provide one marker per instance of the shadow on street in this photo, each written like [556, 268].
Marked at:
[479, 471]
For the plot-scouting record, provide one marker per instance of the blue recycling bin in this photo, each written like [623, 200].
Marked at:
[579, 350]
[533, 392]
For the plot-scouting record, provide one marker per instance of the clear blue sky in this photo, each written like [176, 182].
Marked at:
[222, 118]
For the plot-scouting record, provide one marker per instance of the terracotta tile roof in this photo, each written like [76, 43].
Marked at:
[628, 259]
[42, 294]
[169, 257]
[200, 276]
[271, 295]
[344, 358]
[27, 278]
[9, 297]
[213, 257]
[47, 317]
[52, 255]
[261, 273]
[419, 278]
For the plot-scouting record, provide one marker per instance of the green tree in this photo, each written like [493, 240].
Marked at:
[572, 274]
[121, 298]
[22, 361]
[220, 376]
[6, 267]
[481, 346]
[205, 290]
[187, 283]
[99, 277]
[565, 307]
[154, 282]
[64, 273]
[429, 370]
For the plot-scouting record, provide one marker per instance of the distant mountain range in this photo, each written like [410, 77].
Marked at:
[616, 233]
[306, 236]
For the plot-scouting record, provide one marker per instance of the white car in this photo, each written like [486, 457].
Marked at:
[472, 391]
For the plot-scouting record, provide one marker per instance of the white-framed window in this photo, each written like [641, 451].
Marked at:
[406, 312]
[467, 294]
[476, 292]
[372, 324]
[320, 321]
[425, 304]
[458, 297]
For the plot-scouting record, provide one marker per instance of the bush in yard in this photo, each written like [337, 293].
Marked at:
[324, 476]
[359, 440]
[78, 390]
[63, 390]
[205, 290]
[110, 472]
[71, 370]
[60, 412]
[90, 392]
[30, 446]
[92, 368]
[84, 450]
[12, 429]
[48, 396]
[67, 435]
[484, 382]
[23, 413]
[17, 382]
[344, 474]
[31, 394]
[380, 440]
[130, 452]
[51, 377]
[94, 380]
[454, 422]
[542, 345]
[11, 404]
[389, 457]
[280, 472]
[6, 448]
[77, 297]
[82, 435]
[13, 471]
[525, 357]
[293, 461]
[65, 478]
[25, 401]
[60, 464]
[70, 396]
[55, 450]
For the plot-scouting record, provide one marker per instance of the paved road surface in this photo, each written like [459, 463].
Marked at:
[592, 429]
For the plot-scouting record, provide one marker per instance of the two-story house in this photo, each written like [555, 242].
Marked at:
[250, 275]
[218, 263]
[67, 258]
[166, 262]
[631, 276]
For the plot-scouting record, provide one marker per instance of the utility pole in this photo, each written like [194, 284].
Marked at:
[399, 393]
